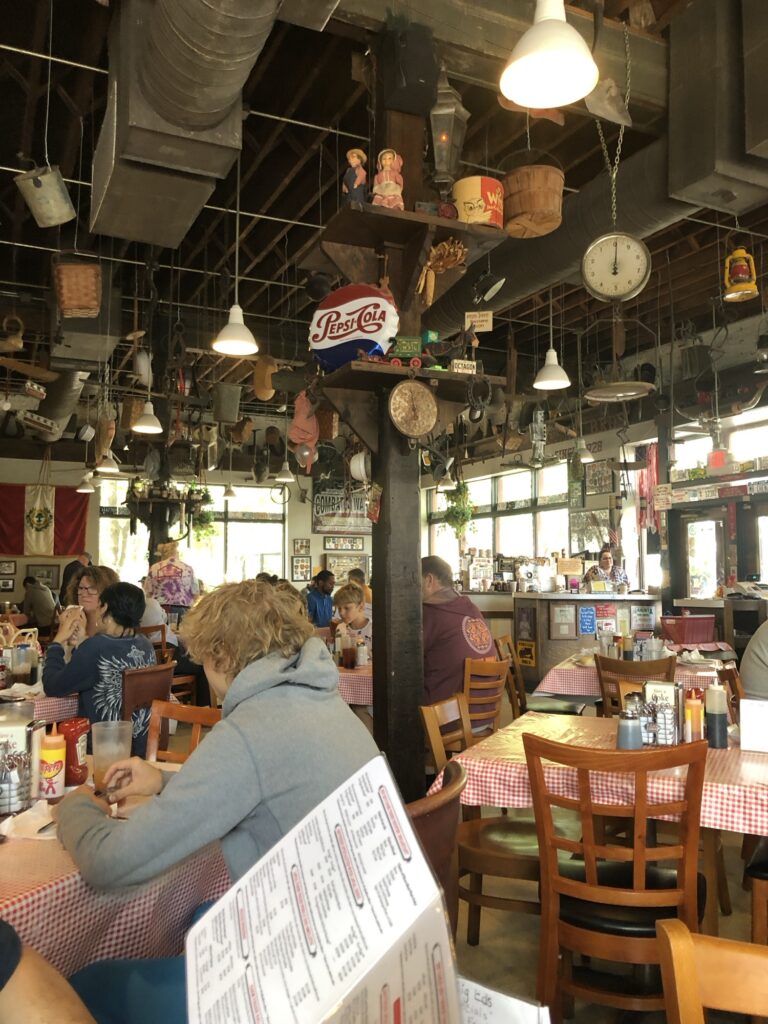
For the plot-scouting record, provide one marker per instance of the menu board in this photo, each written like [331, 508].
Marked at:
[341, 921]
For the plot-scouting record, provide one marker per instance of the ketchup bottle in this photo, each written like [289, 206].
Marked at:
[75, 731]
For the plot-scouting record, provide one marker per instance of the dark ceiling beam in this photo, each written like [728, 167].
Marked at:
[476, 37]
[30, 108]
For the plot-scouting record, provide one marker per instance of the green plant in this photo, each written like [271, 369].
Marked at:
[460, 509]
[203, 524]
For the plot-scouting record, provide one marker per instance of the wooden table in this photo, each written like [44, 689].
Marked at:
[734, 798]
[571, 679]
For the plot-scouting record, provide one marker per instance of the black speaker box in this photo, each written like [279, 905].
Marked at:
[408, 70]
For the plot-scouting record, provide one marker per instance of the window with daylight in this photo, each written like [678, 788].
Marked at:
[247, 536]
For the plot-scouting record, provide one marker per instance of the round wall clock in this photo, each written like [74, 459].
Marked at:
[616, 267]
[413, 408]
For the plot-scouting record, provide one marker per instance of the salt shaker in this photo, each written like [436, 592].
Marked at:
[628, 736]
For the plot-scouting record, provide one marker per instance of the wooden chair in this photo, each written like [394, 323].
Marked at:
[435, 820]
[605, 903]
[141, 686]
[165, 711]
[484, 683]
[701, 971]
[502, 846]
[611, 670]
[522, 701]
[731, 681]
[157, 637]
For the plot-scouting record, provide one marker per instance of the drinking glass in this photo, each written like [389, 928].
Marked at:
[111, 742]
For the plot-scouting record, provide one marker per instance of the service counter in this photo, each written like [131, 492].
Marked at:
[547, 628]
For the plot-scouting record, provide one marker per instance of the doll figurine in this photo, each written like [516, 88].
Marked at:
[388, 183]
[353, 184]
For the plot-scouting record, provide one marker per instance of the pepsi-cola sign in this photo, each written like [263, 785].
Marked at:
[353, 319]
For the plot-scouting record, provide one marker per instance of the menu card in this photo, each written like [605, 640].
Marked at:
[341, 921]
[481, 1005]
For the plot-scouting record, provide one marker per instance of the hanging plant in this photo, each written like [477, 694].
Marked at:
[203, 524]
[460, 509]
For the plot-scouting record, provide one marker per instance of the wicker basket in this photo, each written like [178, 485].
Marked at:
[533, 200]
[78, 287]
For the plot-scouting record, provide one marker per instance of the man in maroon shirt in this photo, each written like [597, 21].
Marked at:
[454, 629]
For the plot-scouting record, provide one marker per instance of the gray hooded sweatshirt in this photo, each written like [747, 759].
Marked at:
[286, 741]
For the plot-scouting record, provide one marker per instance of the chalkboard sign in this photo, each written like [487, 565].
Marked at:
[587, 620]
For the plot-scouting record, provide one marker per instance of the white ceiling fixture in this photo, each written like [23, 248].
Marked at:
[551, 65]
[147, 423]
[551, 377]
[107, 463]
[234, 339]
[85, 486]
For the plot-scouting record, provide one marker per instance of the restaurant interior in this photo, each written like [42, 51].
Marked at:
[329, 286]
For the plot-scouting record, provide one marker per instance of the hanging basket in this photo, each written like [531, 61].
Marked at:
[533, 195]
[77, 284]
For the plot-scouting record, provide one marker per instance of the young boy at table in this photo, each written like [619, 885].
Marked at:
[258, 772]
[353, 613]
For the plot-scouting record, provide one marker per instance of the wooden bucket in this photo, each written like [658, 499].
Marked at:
[533, 200]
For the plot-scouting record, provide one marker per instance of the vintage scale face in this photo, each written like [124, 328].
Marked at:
[413, 408]
[616, 267]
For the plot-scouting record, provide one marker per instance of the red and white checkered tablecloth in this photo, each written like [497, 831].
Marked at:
[43, 896]
[581, 680]
[55, 709]
[735, 796]
[356, 684]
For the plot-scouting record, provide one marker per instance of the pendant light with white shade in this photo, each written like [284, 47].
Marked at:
[147, 423]
[551, 65]
[234, 338]
[85, 486]
[285, 476]
[551, 377]
[108, 463]
[229, 490]
[583, 454]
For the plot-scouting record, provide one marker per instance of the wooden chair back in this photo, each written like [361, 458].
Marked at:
[731, 680]
[585, 799]
[611, 670]
[165, 711]
[141, 686]
[451, 715]
[157, 637]
[700, 971]
[515, 683]
[435, 820]
[484, 683]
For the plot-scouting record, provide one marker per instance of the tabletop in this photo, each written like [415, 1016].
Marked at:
[356, 684]
[72, 924]
[581, 680]
[735, 796]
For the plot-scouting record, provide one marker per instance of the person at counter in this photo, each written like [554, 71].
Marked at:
[454, 629]
[754, 665]
[606, 569]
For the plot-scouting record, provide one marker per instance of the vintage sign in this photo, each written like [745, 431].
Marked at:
[481, 319]
[662, 497]
[642, 617]
[358, 318]
[336, 509]
[587, 620]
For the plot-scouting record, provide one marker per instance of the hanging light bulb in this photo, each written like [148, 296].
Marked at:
[85, 486]
[551, 377]
[234, 339]
[107, 463]
[551, 65]
[285, 476]
[147, 423]
[229, 491]
[583, 454]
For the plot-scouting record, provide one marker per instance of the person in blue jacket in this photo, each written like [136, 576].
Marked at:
[95, 670]
[319, 600]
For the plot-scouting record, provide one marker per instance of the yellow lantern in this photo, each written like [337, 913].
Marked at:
[739, 276]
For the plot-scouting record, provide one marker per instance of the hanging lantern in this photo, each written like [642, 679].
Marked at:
[448, 119]
[739, 276]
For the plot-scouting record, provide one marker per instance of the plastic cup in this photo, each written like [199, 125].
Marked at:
[111, 742]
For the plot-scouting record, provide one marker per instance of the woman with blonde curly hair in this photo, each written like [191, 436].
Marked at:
[270, 760]
[285, 742]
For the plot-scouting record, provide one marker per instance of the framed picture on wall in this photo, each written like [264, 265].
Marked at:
[344, 543]
[301, 546]
[599, 478]
[7, 568]
[6, 584]
[47, 574]
[301, 568]
[340, 565]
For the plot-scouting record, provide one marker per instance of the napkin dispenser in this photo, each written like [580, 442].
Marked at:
[20, 740]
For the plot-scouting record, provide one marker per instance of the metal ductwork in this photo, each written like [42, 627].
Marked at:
[530, 265]
[62, 396]
[173, 122]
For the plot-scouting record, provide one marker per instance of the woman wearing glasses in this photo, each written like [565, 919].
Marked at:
[85, 590]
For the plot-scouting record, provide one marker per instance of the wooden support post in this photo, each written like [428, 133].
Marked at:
[398, 680]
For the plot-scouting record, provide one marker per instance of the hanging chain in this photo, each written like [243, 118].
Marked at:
[613, 168]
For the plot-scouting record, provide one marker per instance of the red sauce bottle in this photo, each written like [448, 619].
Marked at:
[75, 731]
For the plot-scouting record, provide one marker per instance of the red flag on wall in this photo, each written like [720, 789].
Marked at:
[42, 520]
